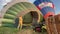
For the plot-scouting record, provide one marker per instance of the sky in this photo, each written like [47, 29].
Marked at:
[56, 3]
[3, 2]
[57, 6]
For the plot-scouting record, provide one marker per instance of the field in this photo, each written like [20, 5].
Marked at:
[13, 30]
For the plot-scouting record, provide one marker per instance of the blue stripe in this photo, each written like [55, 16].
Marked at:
[44, 1]
[37, 2]
[45, 10]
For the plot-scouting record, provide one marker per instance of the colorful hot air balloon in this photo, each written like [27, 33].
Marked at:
[46, 7]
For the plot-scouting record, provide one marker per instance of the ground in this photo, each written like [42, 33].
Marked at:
[10, 29]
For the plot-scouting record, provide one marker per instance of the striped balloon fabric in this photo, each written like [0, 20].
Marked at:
[46, 7]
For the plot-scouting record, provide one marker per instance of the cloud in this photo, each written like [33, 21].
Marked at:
[3, 2]
[31, 1]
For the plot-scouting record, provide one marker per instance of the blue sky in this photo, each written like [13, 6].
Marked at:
[56, 3]
[57, 6]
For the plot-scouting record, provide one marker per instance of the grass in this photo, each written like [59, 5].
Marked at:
[10, 29]
[7, 30]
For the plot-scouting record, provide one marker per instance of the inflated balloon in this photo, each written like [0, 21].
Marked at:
[46, 7]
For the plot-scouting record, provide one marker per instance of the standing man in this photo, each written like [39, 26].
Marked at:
[20, 23]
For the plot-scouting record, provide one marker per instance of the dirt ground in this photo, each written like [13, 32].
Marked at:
[29, 31]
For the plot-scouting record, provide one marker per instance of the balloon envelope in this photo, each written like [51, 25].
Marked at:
[46, 7]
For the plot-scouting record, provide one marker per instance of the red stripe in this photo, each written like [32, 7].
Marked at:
[48, 14]
[53, 5]
[38, 7]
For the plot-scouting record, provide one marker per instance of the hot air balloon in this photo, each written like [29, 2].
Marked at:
[46, 7]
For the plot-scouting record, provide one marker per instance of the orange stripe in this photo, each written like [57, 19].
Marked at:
[48, 14]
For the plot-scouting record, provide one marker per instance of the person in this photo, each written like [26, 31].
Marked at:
[20, 23]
